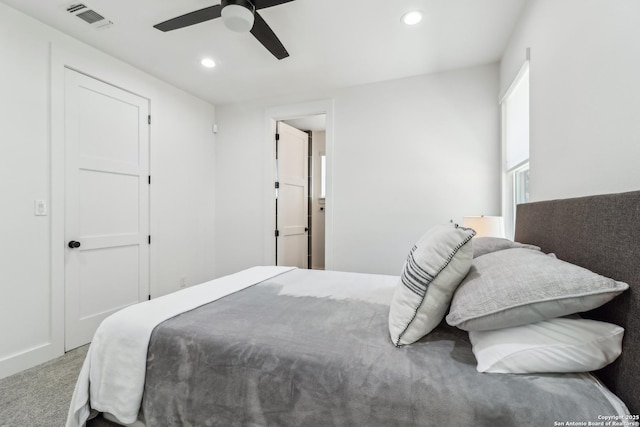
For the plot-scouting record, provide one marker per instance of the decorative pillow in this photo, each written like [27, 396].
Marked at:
[557, 345]
[519, 286]
[434, 268]
[486, 245]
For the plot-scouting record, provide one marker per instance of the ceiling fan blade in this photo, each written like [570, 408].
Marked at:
[192, 18]
[263, 4]
[268, 38]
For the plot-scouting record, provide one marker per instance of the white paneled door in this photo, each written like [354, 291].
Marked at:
[292, 197]
[106, 203]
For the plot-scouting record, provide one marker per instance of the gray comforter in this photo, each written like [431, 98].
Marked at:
[312, 348]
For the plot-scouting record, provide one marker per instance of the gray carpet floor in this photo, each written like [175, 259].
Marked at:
[40, 396]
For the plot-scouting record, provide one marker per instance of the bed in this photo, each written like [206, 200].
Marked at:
[279, 346]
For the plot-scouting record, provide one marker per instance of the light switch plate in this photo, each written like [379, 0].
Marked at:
[40, 207]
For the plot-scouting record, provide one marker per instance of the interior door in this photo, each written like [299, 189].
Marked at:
[106, 203]
[292, 197]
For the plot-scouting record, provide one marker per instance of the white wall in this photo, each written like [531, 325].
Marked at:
[407, 154]
[239, 189]
[585, 95]
[182, 205]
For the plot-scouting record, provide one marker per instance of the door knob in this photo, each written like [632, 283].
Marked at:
[73, 244]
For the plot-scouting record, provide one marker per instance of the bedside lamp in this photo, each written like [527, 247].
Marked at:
[485, 226]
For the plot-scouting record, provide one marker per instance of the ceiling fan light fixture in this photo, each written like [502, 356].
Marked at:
[237, 15]
[412, 18]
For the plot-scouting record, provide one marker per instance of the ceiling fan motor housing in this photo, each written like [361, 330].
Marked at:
[238, 14]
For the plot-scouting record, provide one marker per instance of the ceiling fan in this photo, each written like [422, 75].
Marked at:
[237, 15]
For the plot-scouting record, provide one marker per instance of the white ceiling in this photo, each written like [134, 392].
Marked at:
[332, 43]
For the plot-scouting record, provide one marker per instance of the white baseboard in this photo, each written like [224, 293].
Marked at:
[29, 358]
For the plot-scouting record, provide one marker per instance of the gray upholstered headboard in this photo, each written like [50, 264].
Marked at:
[601, 233]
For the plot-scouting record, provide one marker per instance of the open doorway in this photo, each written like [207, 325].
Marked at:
[291, 245]
[287, 113]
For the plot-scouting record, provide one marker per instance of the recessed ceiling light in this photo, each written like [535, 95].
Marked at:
[412, 18]
[208, 63]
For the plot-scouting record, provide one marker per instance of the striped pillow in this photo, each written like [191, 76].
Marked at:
[434, 268]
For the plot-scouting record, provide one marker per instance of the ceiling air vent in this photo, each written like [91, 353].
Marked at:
[88, 15]
[75, 7]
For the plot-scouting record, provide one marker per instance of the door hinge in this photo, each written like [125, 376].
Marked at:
[277, 184]
[149, 118]
[149, 238]
[149, 179]
[277, 137]
[277, 233]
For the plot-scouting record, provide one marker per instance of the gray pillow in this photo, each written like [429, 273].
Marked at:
[434, 268]
[486, 245]
[519, 286]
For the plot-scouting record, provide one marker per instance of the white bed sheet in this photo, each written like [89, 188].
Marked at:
[112, 377]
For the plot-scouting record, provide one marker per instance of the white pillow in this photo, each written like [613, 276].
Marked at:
[556, 345]
[434, 268]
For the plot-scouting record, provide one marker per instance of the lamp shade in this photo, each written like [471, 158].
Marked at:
[485, 226]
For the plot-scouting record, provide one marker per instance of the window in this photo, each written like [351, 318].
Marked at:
[521, 184]
[323, 174]
[515, 141]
